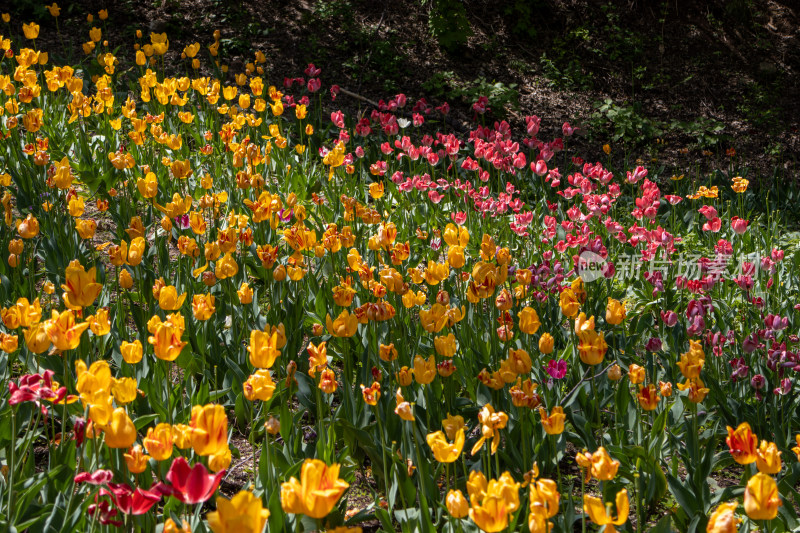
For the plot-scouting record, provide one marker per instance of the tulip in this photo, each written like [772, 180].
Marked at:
[263, 348]
[169, 300]
[648, 397]
[723, 519]
[614, 372]
[554, 423]
[443, 451]
[244, 513]
[345, 324]
[226, 267]
[544, 501]
[36, 338]
[259, 386]
[761, 498]
[529, 321]
[63, 332]
[445, 345]
[125, 279]
[598, 514]
[492, 502]
[546, 343]
[452, 425]
[403, 409]
[131, 351]
[317, 491]
[615, 312]
[372, 393]
[80, 288]
[742, 443]
[166, 336]
[491, 422]
[592, 348]
[159, 442]
[135, 254]
[245, 294]
[192, 485]
[31, 30]
[456, 504]
[424, 371]
[98, 323]
[124, 390]
[209, 429]
[317, 358]
[327, 381]
[696, 388]
[133, 501]
[768, 458]
[203, 306]
[404, 376]
[569, 303]
[28, 228]
[387, 353]
[171, 527]
[120, 431]
[136, 460]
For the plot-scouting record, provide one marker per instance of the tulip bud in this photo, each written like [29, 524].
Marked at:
[13, 260]
[125, 279]
[317, 329]
[443, 298]
[272, 425]
[615, 372]
[546, 343]
[209, 278]
[457, 504]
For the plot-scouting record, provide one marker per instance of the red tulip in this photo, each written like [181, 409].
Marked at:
[98, 477]
[132, 501]
[192, 485]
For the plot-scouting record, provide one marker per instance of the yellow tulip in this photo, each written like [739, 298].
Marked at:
[203, 306]
[457, 504]
[569, 303]
[554, 423]
[345, 324]
[124, 390]
[263, 348]
[63, 331]
[615, 312]
[259, 386]
[723, 519]
[31, 30]
[492, 502]
[244, 513]
[131, 351]
[546, 343]
[529, 321]
[80, 288]
[598, 513]
[159, 442]
[166, 336]
[120, 431]
[491, 424]
[424, 371]
[136, 460]
[317, 491]
[761, 498]
[169, 300]
[443, 451]
[209, 429]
